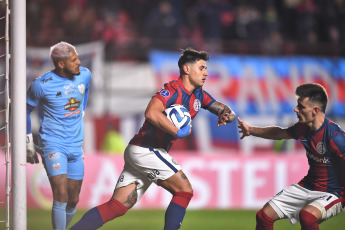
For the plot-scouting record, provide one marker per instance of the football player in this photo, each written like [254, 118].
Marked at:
[146, 157]
[61, 96]
[320, 195]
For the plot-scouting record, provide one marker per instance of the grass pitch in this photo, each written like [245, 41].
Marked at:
[194, 220]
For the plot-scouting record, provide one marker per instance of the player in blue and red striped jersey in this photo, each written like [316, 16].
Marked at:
[320, 195]
[146, 157]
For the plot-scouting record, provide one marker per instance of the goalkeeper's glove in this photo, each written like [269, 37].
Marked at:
[183, 132]
[31, 149]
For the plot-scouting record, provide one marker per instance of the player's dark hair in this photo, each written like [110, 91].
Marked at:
[190, 55]
[315, 92]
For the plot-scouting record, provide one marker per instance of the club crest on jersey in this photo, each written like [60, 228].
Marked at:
[320, 148]
[165, 93]
[196, 105]
[81, 88]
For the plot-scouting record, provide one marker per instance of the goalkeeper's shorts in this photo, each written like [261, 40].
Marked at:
[58, 163]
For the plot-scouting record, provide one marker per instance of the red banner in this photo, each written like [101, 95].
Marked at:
[219, 181]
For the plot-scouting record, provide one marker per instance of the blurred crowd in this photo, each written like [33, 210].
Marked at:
[131, 28]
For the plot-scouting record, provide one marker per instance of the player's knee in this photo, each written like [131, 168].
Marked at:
[308, 220]
[189, 190]
[111, 209]
[73, 202]
[262, 219]
[60, 196]
[259, 216]
[182, 198]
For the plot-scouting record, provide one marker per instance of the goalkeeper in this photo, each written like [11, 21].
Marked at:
[146, 157]
[61, 97]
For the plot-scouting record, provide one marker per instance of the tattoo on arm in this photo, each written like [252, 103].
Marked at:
[131, 199]
[218, 108]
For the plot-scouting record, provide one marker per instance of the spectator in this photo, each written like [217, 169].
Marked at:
[163, 26]
[206, 24]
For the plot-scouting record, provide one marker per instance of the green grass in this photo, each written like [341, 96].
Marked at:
[194, 220]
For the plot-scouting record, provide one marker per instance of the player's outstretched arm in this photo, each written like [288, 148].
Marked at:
[243, 128]
[270, 132]
[225, 113]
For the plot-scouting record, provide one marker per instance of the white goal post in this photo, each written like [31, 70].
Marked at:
[18, 113]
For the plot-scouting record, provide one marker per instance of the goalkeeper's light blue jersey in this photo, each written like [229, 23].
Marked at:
[61, 102]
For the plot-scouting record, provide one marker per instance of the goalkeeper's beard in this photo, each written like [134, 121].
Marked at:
[70, 73]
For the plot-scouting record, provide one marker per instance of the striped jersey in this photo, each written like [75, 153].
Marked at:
[61, 102]
[172, 93]
[325, 150]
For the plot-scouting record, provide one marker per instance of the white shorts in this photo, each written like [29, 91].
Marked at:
[290, 201]
[144, 166]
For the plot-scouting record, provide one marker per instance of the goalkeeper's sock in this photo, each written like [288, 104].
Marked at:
[176, 210]
[69, 214]
[59, 215]
[263, 222]
[96, 217]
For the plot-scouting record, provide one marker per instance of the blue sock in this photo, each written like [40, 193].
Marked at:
[69, 214]
[91, 220]
[59, 215]
[174, 216]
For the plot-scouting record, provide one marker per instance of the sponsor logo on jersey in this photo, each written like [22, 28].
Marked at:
[68, 86]
[196, 105]
[324, 160]
[47, 79]
[153, 174]
[72, 104]
[81, 88]
[71, 91]
[165, 93]
[320, 148]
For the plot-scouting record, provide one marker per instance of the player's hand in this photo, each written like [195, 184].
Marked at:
[183, 132]
[244, 128]
[226, 118]
[31, 149]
